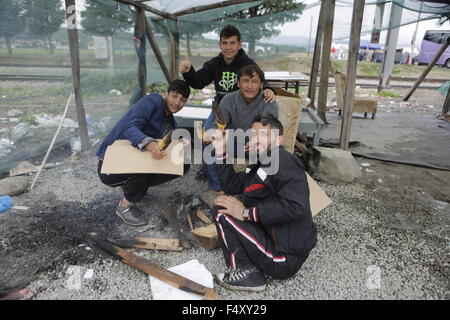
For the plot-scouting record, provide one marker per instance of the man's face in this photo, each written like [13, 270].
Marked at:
[230, 47]
[175, 101]
[263, 138]
[249, 86]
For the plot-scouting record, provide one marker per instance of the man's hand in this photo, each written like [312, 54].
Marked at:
[269, 96]
[218, 139]
[154, 149]
[233, 206]
[184, 65]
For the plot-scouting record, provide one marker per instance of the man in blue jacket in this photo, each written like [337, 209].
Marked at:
[148, 119]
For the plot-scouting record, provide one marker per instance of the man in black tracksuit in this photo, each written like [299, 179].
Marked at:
[271, 232]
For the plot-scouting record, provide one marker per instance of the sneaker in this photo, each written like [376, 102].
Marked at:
[243, 279]
[131, 215]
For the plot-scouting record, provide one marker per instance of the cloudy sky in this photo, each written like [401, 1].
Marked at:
[342, 23]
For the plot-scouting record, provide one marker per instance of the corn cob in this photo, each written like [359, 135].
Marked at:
[165, 141]
[221, 124]
[200, 130]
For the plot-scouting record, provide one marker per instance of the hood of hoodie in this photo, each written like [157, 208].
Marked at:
[237, 59]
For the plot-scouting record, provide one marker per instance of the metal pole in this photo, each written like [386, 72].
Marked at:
[391, 45]
[353, 47]
[310, 35]
[110, 54]
[377, 23]
[413, 40]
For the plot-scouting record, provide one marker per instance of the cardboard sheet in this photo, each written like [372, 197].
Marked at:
[122, 157]
[318, 199]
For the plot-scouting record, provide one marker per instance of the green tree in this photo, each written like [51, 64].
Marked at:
[12, 20]
[262, 21]
[105, 19]
[44, 18]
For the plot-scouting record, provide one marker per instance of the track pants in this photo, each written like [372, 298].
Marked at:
[135, 186]
[246, 244]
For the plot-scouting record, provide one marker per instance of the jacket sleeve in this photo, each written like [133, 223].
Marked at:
[291, 200]
[266, 85]
[232, 182]
[201, 78]
[139, 118]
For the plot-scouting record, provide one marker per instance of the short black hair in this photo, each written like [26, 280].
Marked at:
[179, 86]
[249, 70]
[269, 119]
[229, 31]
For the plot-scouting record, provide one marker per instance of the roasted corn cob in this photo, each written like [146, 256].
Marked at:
[165, 141]
[221, 124]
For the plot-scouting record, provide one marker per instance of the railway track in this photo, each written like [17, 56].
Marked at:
[372, 84]
[33, 77]
[393, 78]
[362, 81]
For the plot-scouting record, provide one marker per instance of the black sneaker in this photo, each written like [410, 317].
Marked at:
[251, 279]
[131, 215]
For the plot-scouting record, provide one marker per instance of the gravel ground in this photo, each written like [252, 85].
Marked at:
[392, 223]
[366, 232]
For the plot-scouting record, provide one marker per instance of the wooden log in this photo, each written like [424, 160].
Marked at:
[174, 44]
[149, 9]
[174, 211]
[157, 51]
[189, 220]
[427, 69]
[206, 7]
[202, 216]
[355, 34]
[139, 31]
[207, 236]
[149, 243]
[301, 147]
[316, 58]
[153, 269]
[75, 63]
[301, 138]
[325, 60]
